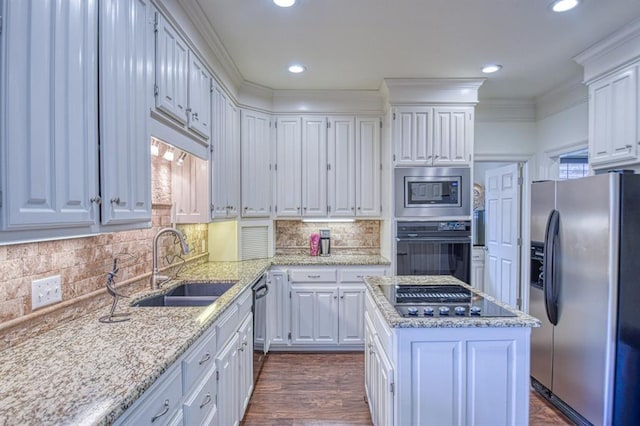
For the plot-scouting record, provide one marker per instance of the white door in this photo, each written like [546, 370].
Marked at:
[368, 166]
[502, 204]
[342, 161]
[255, 164]
[288, 168]
[172, 58]
[314, 166]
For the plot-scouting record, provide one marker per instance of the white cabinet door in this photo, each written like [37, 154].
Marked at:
[385, 386]
[49, 114]
[278, 308]
[314, 314]
[125, 84]
[368, 167]
[342, 167]
[255, 164]
[288, 167]
[413, 135]
[351, 314]
[171, 71]
[190, 190]
[199, 98]
[314, 166]
[613, 118]
[453, 127]
[228, 383]
[232, 152]
[245, 364]
[219, 164]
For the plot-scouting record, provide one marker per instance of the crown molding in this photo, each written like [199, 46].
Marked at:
[616, 50]
[569, 94]
[430, 90]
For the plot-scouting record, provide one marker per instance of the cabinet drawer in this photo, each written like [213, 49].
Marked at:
[159, 404]
[314, 275]
[201, 404]
[244, 303]
[199, 360]
[227, 325]
[356, 275]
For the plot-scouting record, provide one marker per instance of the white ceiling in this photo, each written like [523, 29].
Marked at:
[354, 44]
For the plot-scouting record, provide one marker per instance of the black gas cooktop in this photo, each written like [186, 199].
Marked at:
[449, 300]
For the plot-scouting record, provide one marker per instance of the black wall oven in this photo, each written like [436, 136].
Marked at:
[434, 248]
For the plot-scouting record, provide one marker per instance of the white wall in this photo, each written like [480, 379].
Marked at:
[497, 139]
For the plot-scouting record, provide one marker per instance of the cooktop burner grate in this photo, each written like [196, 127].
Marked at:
[432, 294]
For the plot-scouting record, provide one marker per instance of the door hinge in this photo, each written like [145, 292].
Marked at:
[519, 303]
[328, 209]
[289, 295]
[211, 91]
[0, 24]
[289, 335]
[520, 180]
[217, 378]
[394, 115]
[328, 124]
[392, 387]
[381, 123]
[328, 166]
[269, 209]
[276, 208]
[213, 207]
[275, 167]
[519, 241]
[394, 157]
[380, 166]
[155, 24]
[275, 124]
[155, 90]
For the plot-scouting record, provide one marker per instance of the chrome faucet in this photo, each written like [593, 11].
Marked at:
[157, 280]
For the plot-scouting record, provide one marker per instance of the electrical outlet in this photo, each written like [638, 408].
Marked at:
[46, 291]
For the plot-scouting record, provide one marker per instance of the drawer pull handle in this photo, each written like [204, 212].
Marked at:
[313, 276]
[207, 400]
[165, 411]
[360, 276]
[205, 358]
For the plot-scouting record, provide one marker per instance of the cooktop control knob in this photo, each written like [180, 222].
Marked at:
[444, 310]
[475, 310]
[412, 311]
[428, 311]
[460, 310]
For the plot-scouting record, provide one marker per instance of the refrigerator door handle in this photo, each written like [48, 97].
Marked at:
[551, 247]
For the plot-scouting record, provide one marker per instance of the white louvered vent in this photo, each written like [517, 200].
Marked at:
[254, 241]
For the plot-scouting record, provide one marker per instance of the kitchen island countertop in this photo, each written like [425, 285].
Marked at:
[394, 320]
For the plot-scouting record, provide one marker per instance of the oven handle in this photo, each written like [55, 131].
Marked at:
[454, 240]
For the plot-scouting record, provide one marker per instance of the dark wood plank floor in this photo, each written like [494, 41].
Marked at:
[328, 389]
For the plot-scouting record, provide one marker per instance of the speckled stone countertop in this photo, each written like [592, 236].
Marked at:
[375, 287]
[87, 372]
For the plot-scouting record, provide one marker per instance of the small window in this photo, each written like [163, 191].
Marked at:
[574, 165]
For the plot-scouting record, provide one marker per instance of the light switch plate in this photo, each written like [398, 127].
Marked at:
[46, 291]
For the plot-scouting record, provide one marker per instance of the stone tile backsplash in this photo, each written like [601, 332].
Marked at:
[359, 237]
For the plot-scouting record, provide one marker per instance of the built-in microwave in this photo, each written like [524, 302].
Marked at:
[432, 191]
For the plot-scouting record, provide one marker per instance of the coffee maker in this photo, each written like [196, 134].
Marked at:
[325, 242]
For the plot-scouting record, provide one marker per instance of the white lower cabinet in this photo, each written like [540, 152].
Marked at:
[445, 376]
[319, 308]
[211, 383]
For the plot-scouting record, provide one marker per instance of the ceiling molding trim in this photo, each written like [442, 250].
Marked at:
[256, 97]
[503, 157]
[505, 110]
[614, 51]
[556, 152]
[221, 55]
[328, 101]
[409, 91]
[565, 96]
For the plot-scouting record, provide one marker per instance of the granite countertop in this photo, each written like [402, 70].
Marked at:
[87, 372]
[394, 320]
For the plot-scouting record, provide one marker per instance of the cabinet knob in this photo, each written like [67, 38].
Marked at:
[341, 297]
[96, 199]
[195, 115]
[245, 208]
[359, 208]
[298, 208]
[115, 200]
[335, 297]
[353, 209]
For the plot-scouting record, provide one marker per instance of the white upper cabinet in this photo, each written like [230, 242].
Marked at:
[199, 98]
[453, 135]
[368, 166]
[125, 82]
[172, 60]
[314, 166]
[288, 167]
[49, 114]
[190, 190]
[436, 136]
[225, 157]
[613, 119]
[342, 167]
[354, 166]
[255, 148]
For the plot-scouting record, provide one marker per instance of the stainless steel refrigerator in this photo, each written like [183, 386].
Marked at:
[585, 288]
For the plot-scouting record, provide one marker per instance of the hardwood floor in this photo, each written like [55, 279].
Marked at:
[328, 389]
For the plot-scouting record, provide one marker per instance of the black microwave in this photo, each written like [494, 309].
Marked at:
[432, 191]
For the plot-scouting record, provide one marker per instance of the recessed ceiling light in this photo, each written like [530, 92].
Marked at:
[491, 68]
[564, 5]
[284, 3]
[297, 68]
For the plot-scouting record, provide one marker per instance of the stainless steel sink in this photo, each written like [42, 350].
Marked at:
[188, 294]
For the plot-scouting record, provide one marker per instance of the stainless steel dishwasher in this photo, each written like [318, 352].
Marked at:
[260, 346]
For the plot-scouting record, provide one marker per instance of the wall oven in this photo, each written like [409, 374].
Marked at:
[434, 248]
[432, 191]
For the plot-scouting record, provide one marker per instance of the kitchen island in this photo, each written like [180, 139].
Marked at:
[448, 369]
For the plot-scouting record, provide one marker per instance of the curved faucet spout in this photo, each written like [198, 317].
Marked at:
[155, 278]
